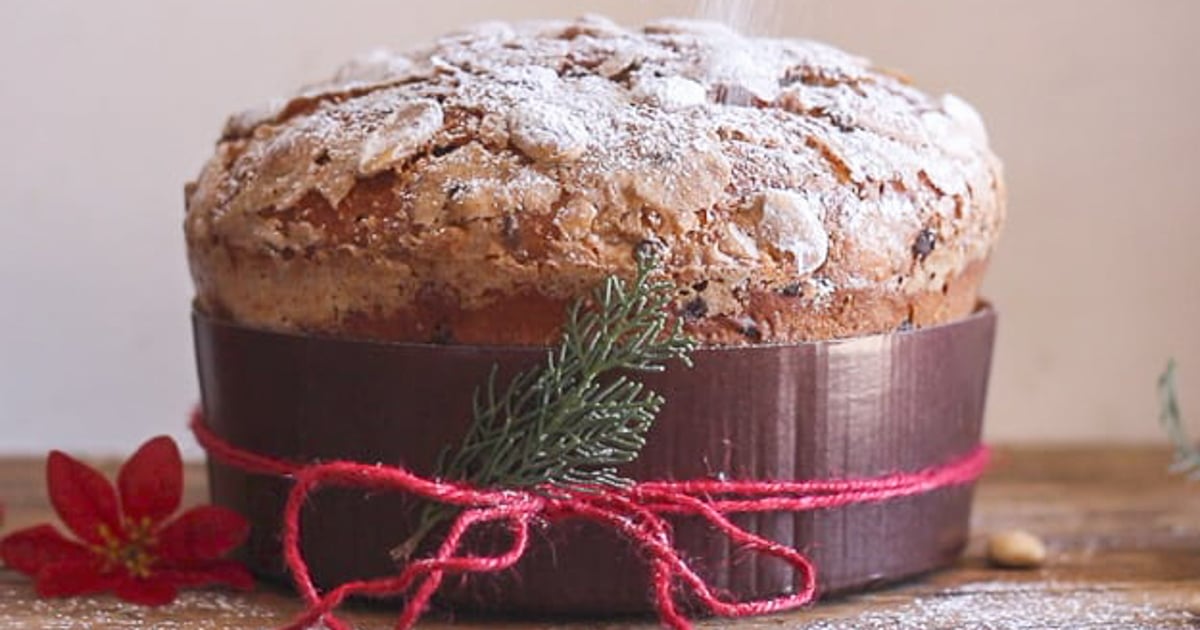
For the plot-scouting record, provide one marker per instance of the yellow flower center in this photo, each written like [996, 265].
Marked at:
[131, 552]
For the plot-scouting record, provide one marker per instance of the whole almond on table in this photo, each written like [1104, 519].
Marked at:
[1016, 549]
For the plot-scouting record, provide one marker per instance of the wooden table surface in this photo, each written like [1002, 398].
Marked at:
[1124, 537]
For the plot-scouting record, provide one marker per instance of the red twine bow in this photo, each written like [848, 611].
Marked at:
[637, 513]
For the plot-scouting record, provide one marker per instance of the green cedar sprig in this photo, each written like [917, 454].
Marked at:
[570, 421]
[1187, 454]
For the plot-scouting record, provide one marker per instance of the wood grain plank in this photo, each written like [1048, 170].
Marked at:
[1124, 539]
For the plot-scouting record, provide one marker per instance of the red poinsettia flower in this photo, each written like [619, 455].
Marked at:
[126, 543]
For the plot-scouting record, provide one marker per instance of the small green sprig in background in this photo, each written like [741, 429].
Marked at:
[566, 423]
[1187, 455]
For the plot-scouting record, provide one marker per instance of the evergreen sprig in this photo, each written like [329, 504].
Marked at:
[1187, 454]
[570, 422]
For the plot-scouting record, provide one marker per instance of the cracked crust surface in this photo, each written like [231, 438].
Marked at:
[465, 192]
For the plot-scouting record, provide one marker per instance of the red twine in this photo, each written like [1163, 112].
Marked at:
[637, 513]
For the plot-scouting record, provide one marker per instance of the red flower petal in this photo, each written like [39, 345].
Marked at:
[83, 498]
[148, 592]
[67, 579]
[223, 572]
[30, 550]
[201, 534]
[151, 481]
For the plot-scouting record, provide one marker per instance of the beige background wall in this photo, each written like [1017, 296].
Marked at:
[106, 108]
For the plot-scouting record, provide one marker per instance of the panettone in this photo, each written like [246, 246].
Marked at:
[466, 192]
[823, 226]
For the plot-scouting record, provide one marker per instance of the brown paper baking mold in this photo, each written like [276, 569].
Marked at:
[833, 409]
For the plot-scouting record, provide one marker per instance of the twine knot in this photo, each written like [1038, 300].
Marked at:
[637, 513]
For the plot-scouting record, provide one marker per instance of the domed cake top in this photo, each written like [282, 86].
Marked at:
[528, 160]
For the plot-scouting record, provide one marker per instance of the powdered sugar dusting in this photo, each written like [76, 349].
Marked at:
[542, 75]
[665, 133]
[1014, 606]
[791, 223]
[545, 131]
[993, 605]
[206, 610]
[399, 135]
[669, 92]
[373, 68]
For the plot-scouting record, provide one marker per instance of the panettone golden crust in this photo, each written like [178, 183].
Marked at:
[466, 192]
